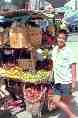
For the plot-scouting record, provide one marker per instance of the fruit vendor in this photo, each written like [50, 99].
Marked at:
[64, 68]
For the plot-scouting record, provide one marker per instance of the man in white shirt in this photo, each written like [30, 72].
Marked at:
[64, 68]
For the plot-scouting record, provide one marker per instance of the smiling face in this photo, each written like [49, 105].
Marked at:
[61, 40]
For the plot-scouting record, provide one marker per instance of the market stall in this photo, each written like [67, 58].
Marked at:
[19, 81]
[25, 78]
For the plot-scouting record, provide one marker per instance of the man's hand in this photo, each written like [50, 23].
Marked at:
[73, 69]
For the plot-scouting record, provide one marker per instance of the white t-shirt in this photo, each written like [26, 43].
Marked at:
[62, 60]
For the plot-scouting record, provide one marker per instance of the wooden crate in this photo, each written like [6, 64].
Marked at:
[26, 64]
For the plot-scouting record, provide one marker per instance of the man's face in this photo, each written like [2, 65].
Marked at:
[61, 40]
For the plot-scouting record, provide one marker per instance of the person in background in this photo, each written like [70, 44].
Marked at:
[64, 68]
[51, 40]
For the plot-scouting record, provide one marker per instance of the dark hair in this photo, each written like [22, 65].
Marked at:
[63, 31]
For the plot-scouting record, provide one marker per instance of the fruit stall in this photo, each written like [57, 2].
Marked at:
[23, 74]
[25, 84]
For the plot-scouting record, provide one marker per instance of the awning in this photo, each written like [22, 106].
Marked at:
[57, 3]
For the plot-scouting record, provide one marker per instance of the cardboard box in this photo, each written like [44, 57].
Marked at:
[26, 64]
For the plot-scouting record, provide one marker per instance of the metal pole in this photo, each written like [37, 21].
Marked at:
[75, 4]
[35, 4]
[39, 4]
[43, 3]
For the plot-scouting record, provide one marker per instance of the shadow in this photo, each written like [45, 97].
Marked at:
[7, 114]
[53, 113]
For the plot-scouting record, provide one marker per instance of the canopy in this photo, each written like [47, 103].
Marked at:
[72, 19]
[58, 3]
[21, 3]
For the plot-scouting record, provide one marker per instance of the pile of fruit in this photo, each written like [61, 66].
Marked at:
[13, 72]
[35, 77]
[17, 73]
[2, 72]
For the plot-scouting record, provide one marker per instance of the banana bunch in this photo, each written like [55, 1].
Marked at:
[2, 72]
[16, 73]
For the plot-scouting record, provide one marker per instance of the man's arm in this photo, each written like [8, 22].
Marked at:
[73, 69]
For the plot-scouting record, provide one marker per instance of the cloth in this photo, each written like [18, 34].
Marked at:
[62, 61]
